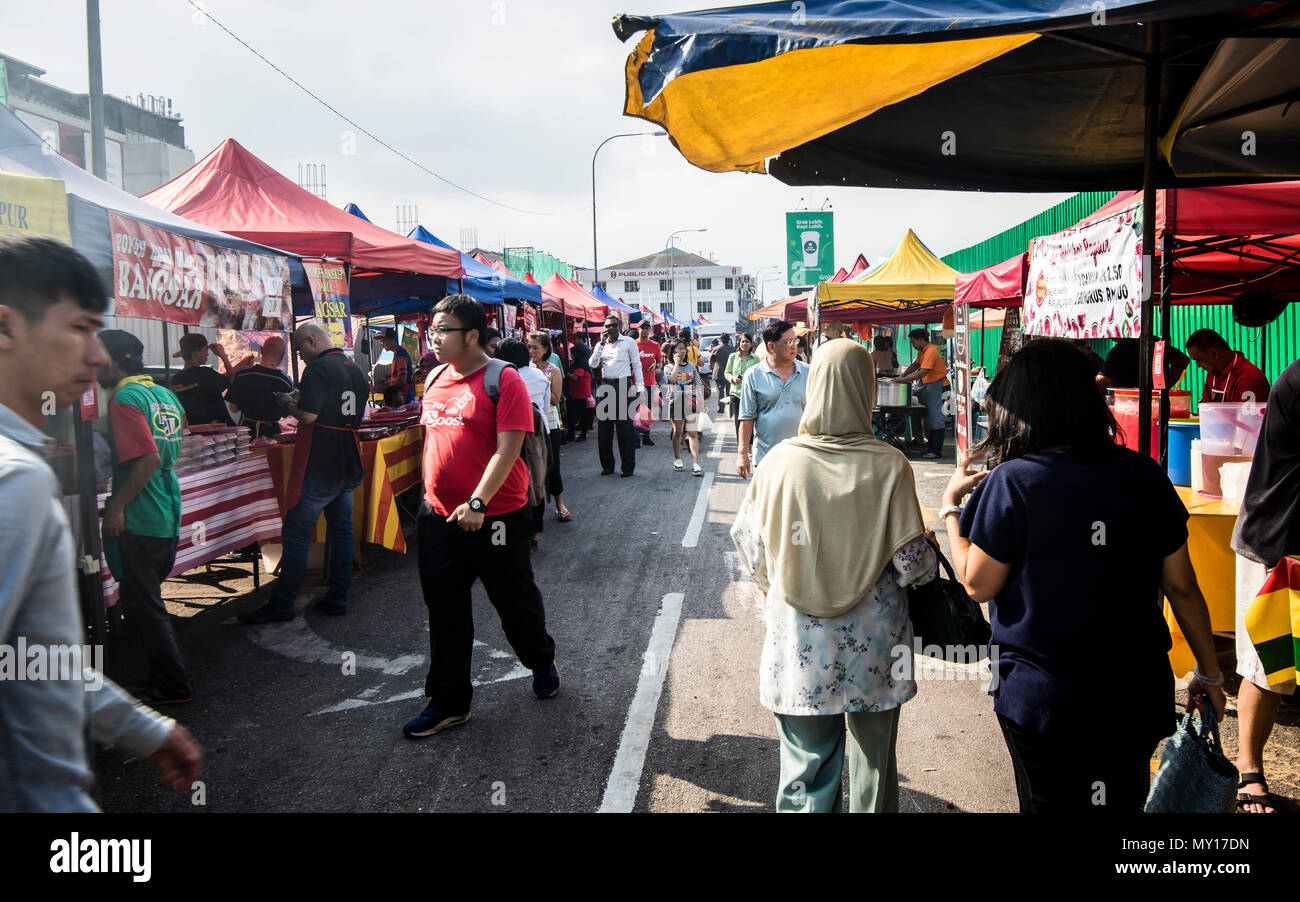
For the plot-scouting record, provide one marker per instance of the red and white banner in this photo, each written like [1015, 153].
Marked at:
[529, 316]
[1086, 282]
[164, 276]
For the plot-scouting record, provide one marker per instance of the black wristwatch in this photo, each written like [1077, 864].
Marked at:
[477, 506]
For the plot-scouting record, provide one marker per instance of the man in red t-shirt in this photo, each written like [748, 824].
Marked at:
[1229, 376]
[652, 357]
[475, 521]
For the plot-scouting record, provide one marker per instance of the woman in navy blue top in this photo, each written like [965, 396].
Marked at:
[1072, 539]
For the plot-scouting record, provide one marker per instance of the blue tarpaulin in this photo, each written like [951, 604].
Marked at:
[483, 279]
[613, 303]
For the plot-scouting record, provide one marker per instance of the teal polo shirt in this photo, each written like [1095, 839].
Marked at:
[775, 406]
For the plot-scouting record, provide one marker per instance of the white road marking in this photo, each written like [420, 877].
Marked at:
[625, 777]
[937, 475]
[296, 640]
[692, 537]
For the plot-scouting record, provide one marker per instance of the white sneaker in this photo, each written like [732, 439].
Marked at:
[696, 471]
[677, 465]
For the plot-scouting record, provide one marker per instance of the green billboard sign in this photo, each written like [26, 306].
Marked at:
[810, 248]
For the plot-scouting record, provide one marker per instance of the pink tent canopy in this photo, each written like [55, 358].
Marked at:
[999, 285]
[569, 298]
[232, 190]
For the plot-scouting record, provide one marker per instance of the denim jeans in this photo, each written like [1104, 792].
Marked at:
[931, 395]
[335, 499]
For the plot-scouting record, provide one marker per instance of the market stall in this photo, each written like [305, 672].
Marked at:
[392, 467]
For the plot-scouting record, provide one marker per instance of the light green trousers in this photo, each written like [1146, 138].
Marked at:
[812, 760]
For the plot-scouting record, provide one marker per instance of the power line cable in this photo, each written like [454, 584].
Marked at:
[371, 135]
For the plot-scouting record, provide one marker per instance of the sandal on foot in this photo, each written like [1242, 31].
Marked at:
[564, 516]
[1267, 799]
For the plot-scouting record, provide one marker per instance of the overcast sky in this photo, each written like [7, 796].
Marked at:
[506, 97]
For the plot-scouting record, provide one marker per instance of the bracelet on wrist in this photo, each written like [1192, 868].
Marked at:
[1209, 681]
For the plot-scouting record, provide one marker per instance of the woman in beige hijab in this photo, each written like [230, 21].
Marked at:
[832, 532]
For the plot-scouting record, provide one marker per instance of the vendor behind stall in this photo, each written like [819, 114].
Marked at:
[1229, 376]
[400, 389]
[200, 387]
[253, 389]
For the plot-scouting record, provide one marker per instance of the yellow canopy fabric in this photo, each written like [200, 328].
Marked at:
[30, 205]
[911, 274]
[734, 117]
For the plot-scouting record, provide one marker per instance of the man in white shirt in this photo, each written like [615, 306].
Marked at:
[617, 399]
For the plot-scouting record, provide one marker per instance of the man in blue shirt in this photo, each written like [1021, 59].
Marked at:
[771, 397]
[51, 307]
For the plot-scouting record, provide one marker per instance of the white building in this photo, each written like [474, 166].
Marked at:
[679, 283]
[145, 141]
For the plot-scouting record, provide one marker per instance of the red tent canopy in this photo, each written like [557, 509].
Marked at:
[999, 285]
[562, 296]
[234, 191]
[860, 266]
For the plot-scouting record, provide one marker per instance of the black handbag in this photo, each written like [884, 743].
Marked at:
[944, 615]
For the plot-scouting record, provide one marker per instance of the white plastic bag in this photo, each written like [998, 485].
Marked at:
[702, 422]
[978, 387]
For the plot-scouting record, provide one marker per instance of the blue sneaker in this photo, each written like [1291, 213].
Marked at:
[430, 721]
[546, 682]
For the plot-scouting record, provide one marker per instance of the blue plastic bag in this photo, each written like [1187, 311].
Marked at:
[1194, 776]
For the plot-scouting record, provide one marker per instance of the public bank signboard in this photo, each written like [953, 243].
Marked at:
[810, 248]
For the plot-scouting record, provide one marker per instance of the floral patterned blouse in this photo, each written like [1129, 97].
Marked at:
[835, 665]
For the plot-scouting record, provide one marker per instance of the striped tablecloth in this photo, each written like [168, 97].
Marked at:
[392, 466]
[223, 509]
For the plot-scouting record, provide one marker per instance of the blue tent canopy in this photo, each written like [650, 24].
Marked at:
[483, 283]
[613, 303]
[356, 211]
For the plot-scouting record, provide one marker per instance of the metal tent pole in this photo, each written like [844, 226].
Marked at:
[1149, 137]
[1166, 294]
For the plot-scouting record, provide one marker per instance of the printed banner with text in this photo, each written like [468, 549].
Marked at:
[810, 248]
[164, 276]
[1086, 282]
[329, 294]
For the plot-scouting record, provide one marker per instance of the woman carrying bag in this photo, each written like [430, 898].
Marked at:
[682, 381]
[831, 530]
[1072, 538]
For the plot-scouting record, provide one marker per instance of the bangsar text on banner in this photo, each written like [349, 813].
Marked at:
[1087, 282]
[329, 293]
[164, 276]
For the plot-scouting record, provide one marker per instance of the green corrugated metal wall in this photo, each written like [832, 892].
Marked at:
[1283, 339]
[1015, 240]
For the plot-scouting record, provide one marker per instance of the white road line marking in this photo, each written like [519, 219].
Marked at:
[625, 777]
[296, 640]
[692, 537]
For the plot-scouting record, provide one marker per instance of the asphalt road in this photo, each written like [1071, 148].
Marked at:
[658, 636]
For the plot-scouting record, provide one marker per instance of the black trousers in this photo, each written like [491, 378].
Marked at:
[579, 416]
[554, 482]
[624, 390]
[147, 561]
[451, 560]
[1080, 773]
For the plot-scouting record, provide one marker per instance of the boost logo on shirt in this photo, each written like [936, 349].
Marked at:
[436, 413]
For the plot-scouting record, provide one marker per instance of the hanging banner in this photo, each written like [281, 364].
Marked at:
[810, 248]
[961, 367]
[33, 206]
[329, 294]
[529, 316]
[163, 276]
[245, 348]
[1086, 282]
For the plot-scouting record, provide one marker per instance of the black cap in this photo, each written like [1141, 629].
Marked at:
[125, 349]
[390, 333]
[191, 342]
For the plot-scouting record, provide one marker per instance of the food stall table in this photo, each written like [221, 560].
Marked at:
[223, 508]
[392, 466]
[1209, 536]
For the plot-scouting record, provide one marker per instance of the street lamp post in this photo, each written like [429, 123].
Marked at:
[595, 261]
[672, 265]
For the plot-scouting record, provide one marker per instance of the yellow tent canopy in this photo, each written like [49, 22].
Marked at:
[910, 277]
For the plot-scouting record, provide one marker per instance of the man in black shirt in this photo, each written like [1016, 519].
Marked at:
[326, 472]
[253, 389]
[718, 364]
[199, 386]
